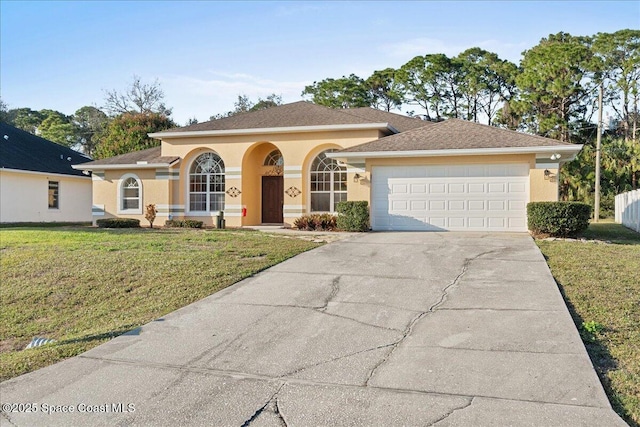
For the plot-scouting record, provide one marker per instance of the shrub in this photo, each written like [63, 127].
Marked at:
[150, 214]
[558, 219]
[316, 222]
[354, 216]
[118, 223]
[183, 223]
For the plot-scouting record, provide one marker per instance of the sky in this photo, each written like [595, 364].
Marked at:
[64, 55]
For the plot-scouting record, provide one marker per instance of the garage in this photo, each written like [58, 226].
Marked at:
[473, 197]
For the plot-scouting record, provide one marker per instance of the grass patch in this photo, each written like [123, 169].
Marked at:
[601, 285]
[83, 286]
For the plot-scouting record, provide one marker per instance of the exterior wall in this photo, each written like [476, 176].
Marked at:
[544, 188]
[243, 157]
[24, 197]
[155, 190]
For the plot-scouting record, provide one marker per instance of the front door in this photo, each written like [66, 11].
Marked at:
[272, 199]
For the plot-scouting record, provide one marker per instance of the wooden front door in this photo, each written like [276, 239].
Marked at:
[272, 199]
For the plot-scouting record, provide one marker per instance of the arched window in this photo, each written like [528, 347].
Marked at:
[206, 184]
[274, 159]
[130, 194]
[328, 183]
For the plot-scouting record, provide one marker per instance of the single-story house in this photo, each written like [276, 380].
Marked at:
[274, 165]
[38, 182]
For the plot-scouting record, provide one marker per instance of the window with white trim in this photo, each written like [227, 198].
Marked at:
[328, 183]
[206, 184]
[54, 194]
[274, 158]
[130, 194]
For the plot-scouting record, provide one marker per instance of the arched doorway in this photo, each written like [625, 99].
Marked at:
[263, 184]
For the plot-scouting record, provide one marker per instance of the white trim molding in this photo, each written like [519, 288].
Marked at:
[62, 175]
[121, 181]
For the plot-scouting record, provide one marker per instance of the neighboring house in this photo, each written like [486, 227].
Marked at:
[37, 181]
[274, 165]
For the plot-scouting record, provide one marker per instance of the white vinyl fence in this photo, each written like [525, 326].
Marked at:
[628, 209]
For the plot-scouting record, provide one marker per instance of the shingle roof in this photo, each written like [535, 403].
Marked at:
[150, 155]
[301, 113]
[453, 134]
[398, 121]
[24, 151]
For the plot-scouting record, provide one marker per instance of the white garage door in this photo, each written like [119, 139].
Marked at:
[485, 197]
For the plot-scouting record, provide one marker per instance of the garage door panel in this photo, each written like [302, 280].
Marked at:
[453, 197]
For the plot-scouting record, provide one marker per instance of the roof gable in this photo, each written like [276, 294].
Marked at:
[300, 114]
[21, 150]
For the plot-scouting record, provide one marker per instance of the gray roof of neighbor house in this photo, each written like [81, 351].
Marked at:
[303, 113]
[454, 134]
[21, 150]
[149, 156]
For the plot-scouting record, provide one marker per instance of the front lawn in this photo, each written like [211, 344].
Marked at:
[82, 286]
[601, 284]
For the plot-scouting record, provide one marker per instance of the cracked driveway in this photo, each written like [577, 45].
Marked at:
[380, 329]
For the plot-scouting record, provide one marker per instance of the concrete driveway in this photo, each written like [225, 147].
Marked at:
[380, 329]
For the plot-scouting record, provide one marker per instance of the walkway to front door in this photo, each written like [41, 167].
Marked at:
[272, 199]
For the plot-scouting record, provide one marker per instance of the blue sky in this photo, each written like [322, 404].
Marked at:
[63, 55]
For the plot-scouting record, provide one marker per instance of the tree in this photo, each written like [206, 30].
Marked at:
[486, 81]
[138, 98]
[91, 124]
[620, 56]
[128, 132]
[4, 111]
[345, 92]
[58, 128]
[25, 118]
[426, 81]
[554, 85]
[385, 91]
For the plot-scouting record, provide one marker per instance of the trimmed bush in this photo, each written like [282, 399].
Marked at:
[316, 222]
[558, 219]
[118, 223]
[353, 216]
[183, 223]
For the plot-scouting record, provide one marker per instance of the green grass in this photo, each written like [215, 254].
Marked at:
[601, 284]
[82, 286]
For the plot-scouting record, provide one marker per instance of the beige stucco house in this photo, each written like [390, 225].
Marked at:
[272, 166]
[37, 181]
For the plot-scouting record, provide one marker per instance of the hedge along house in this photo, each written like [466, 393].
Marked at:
[272, 166]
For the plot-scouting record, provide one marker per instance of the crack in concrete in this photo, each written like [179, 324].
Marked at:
[409, 329]
[279, 413]
[6, 416]
[335, 288]
[324, 362]
[259, 411]
[448, 414]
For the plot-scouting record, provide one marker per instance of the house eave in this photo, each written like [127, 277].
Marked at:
[567, 152]
[277, 130]
[123, 166]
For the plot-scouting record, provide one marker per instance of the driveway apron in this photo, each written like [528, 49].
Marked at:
[446, 329]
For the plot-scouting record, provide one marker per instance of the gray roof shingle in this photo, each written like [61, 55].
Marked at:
[453, 134]
[21, 150]
[302, 113]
